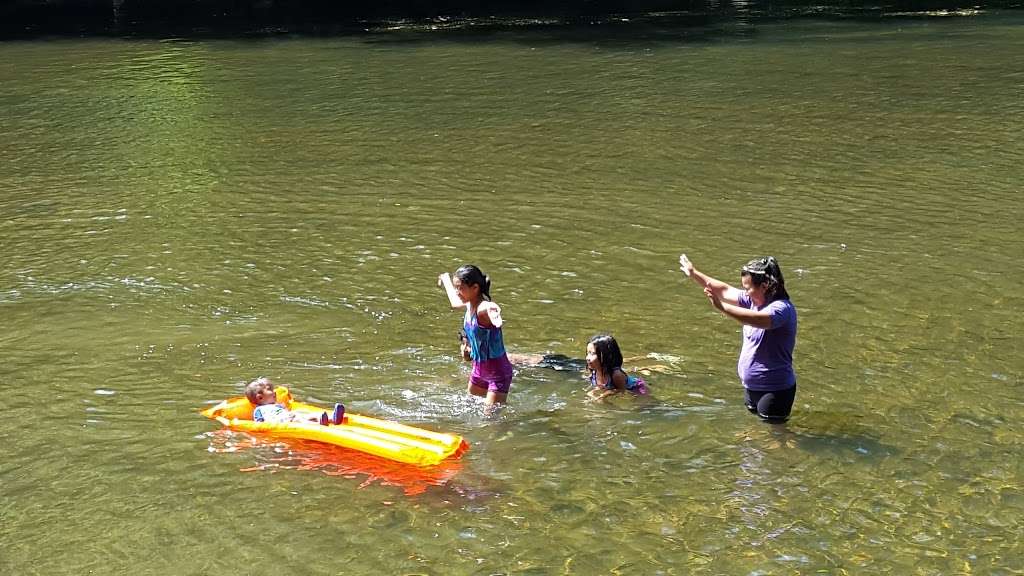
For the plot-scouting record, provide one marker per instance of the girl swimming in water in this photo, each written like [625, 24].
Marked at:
[604, 359]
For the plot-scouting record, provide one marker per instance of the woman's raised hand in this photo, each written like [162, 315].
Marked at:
[685, 265]
[713, 297]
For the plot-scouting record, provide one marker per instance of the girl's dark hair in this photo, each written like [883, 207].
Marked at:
[766, 271]
[608, 353]
[470, 274]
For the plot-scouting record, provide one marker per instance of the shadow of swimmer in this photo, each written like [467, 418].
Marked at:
[335, 461]
[558, 362]
[820, 432]
[646, 365]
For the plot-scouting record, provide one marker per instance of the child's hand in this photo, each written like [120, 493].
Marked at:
[445, 281]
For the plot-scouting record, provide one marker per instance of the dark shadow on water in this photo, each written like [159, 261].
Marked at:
[825, 433]
[421, 22]
[559, 362]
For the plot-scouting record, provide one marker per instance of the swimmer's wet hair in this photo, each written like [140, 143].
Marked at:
[608, 353]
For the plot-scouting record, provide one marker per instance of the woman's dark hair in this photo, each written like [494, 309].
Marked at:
[608, 353]
[766, 271]
[470, 274]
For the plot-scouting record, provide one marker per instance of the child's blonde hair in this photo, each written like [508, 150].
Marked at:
[253, 388]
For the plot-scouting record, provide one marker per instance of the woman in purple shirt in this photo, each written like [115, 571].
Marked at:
[769, 332]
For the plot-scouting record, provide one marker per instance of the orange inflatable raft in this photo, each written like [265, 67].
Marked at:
[391, 440]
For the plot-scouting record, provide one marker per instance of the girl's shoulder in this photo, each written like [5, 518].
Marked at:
[617, 379]
[486, 305]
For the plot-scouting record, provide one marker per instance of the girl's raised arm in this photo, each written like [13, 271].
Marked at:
[445, 281]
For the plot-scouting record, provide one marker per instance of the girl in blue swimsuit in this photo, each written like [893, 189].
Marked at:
[604, 359]
[482, 341]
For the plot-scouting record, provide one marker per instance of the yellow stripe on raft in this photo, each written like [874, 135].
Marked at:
[390, 440]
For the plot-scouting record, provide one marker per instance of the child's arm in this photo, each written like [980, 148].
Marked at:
[619, 381]
[445, 281]
[488, 314]
[464, 347]
[599, 394]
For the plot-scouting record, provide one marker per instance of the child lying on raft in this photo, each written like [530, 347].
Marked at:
[261, 394]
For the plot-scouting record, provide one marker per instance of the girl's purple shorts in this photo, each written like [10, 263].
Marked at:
[495, 375]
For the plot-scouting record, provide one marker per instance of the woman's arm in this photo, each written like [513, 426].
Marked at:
[755, 318]
[723, 291]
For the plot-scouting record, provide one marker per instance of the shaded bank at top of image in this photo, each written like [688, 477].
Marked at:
[570, 19]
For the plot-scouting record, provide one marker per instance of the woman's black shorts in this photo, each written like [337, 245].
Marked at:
[773, 405]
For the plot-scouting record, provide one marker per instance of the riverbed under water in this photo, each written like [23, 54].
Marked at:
[180, 216]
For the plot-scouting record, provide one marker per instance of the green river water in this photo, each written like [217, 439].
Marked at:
[180, 216]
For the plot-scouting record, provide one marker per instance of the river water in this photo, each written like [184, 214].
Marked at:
[180, 216]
